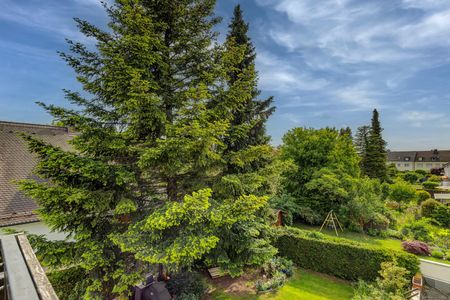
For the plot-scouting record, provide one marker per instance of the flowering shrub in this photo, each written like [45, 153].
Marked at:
[416, 247]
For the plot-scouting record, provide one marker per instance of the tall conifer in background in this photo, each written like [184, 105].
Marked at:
[248, 127]
[136, 189]
[375, 163]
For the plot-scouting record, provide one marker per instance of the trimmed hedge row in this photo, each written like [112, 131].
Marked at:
[341, 258]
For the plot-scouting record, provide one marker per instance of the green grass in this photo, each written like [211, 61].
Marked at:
[387, 243]
[303, 285]
[435, 259]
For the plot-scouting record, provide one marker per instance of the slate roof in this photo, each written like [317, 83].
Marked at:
[420, 156]
[16, 163]
[401, 155]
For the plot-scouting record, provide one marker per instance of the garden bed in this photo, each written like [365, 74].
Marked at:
[304, 284]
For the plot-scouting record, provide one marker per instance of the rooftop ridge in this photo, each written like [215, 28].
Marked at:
[32, 125]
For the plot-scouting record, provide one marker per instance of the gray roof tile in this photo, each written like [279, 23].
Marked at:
[17, 163]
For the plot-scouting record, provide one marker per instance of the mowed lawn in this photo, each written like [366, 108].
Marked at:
[304, 284]
[387, 243]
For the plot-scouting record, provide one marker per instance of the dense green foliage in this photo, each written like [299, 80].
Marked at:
[375, 162]
[152, 177]
[428, 207]
[248, 124]
[435, 210]
[341, 258]
[402, 192]
[187, 285]
[430, 184]
[249, 159]
[325, 163]
[68, 284]
[422, 195]
[365, 211]
[390, 285]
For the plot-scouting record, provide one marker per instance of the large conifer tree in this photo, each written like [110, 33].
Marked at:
[136, 189]
[248, 158]
[248, 124]
[375, 160]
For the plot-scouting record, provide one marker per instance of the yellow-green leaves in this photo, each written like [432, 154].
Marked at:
[125, 206]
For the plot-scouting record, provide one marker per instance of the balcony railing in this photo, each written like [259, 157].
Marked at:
[21, 275]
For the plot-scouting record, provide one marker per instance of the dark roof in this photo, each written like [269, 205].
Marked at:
[401, 155]
[434, 155]
[17, 163]
[420, 156]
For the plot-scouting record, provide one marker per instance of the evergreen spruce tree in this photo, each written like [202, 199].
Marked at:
[249, 161]
[248, 124]
[361, 144]
[375, 161]
[144, 184]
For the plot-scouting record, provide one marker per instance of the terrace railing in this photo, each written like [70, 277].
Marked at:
[21, 275]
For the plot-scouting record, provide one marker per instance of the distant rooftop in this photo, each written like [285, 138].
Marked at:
[17, 163]
[434, 155]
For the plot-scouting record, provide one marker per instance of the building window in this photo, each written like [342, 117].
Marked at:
[399, 165]
[429, 165]
[406, 165]
[421, 158]
[419, 165]
[407, 158]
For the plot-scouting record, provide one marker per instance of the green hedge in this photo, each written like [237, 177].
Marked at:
[338, 257]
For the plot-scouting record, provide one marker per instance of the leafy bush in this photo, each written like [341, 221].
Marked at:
[342, 258]
[391, 284]
[431, 185]
[70, 283]
[411, 177]
[279, 264]
[416, 247]
[434, 178]
[437, 254]
[186, 285]
[402, 191]
[442, 214]
[273, 283]
[422, 196]
[421, 172]
[276, 271]
[428, 207]
[393, 234]
[420, 230]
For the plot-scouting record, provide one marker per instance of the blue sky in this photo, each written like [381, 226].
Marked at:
[328, 63]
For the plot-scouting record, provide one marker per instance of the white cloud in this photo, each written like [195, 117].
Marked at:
[56, 19]
[417, 118]
[360, 96]
[282, 76]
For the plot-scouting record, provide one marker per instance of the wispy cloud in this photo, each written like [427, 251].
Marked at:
[360, 96]
[52, 17]
[419, 118]
[280, 75]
